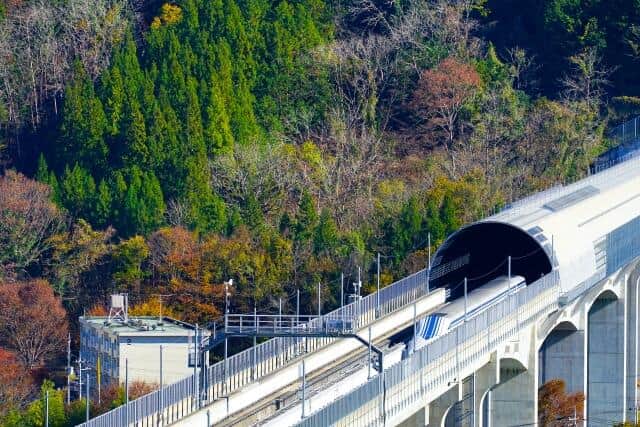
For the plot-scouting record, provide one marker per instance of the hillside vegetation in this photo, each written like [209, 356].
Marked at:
[163, 148]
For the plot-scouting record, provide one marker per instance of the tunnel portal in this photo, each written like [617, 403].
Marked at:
[479, 252]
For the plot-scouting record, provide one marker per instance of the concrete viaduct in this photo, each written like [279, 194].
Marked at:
[577, 246]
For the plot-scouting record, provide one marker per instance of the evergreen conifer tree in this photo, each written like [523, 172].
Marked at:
[306, 218]
[83, 125]
[78, 191]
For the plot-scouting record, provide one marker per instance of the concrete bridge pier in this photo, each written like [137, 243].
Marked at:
[513, 399]
[485, 379]
[631, 296]
[605, 360]
[562, 356]
[461, 405]
[444, 407]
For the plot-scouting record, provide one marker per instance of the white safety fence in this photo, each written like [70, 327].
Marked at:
[181, 399]
[442, 363]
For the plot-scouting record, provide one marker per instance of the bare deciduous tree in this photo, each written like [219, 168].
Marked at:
[28, 220]
[442, 94]
[33, 322]
[39, 43]
[523, 68]
[15, 386]
[267, 174]
[588, 79]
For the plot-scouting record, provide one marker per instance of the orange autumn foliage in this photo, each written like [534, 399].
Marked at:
[15, 385]
[556, 406]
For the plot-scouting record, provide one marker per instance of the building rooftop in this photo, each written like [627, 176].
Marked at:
[140, 326]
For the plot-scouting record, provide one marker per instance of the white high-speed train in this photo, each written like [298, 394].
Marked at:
[453, 313]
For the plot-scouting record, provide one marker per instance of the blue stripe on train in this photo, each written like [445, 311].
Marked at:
[432, 327]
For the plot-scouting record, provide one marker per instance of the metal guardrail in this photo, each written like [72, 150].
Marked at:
[622, 135]
[289, 325]
[626, 145]
[626, 132]
[178, 400]
[441, 362]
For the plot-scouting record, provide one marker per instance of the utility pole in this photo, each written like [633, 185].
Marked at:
[356, 289]
[226, 366]
[378, 288]
[80, 377]
[254, 370]
[126, 380]
[69, 369]
[160, 296]
[415, 327]
[341, 290]
[298, 343]
[369, 357]
[160, 402]
[304, 387]
[319, 302]
[88, 396]
[46, 410]
[195, 366]
[428, 260]
[553, 254]
[227, 284]
[429, 252]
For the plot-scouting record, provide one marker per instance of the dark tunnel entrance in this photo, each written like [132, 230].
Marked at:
[479, 252]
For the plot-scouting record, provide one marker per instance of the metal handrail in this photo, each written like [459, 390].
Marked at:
[333, 324]
[182, 398]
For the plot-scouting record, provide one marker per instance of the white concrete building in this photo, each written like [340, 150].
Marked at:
[138, 342]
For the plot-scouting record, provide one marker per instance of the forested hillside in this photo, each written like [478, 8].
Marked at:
[163, 148]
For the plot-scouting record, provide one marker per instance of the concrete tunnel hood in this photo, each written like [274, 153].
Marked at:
[479, 252]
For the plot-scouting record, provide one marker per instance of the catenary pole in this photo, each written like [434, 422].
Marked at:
[69, 369]
[465, 299]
